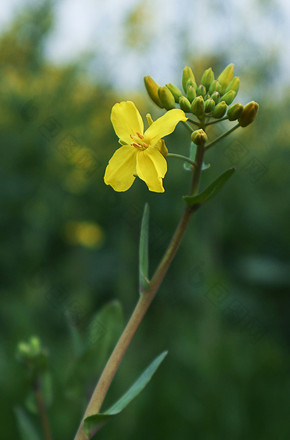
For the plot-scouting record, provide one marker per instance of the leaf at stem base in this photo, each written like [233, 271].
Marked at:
[94, 422]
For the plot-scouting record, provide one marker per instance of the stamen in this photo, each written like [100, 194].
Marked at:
[140, 135]
[134, 144]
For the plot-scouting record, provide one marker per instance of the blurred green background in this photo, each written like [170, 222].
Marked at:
[69, 243]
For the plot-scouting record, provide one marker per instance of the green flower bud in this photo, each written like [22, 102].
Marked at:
[201, 90]
[207, 78]
[175, 91]
[226, 76]
[229, 97]
[191, 82]
[186, 75]
[152, 90]
[219, 110]
[235, 111]
[191, 93]
[234, 85]
[215, 86]
[33, 355]
[35, 345]
[166, 98]
[249, 113]
[197, 107]
[199, 137]
[209, 105]
[215, 96]
[23, 350]
[184, 104]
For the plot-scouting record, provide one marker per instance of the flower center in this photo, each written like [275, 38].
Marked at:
[138, 141]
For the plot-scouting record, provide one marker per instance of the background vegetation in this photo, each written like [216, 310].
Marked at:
[69, 246]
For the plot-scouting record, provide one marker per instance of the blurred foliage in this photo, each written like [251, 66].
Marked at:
[69, 245]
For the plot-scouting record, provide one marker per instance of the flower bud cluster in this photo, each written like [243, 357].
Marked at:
[210, 98]
[33, 355]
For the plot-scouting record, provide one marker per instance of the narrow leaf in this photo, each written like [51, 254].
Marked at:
[211, 191]
[143, 250]
[26, 428]
[94, 422]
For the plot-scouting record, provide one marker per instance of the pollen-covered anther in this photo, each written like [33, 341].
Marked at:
[134, 144]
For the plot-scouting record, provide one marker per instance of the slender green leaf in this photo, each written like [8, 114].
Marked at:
[211, 191]
[143, 250]
[26, 428]
[94, 422]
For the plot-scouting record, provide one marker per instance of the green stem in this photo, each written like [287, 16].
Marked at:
[194, 122]
[42, 411]
[136, 318]
[180, 156]
[200, 150]
[221, 137]
[141, 308]
[215, 122]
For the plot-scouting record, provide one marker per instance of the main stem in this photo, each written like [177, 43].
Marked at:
[136, 318]
[42, 411]
[141, 308]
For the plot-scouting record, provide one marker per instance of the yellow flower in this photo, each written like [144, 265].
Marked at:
[140, 153]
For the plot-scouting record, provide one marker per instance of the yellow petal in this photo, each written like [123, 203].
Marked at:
[151, 167]
[121, 168]
[164, 126]
[126, 120]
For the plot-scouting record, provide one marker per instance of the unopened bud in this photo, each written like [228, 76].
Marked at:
[226, 76]
[23, 350]
[166, 98]
[219, 110]
[234, 84]
[215, 96]
[191, 82]
[191, 93]
[184, 104]
[201, 90]
[35, 345]
[229, 97]
[235, 111]
[197, 107]
[209, 105]
[175, 91]
[152, 90]
[199, 137]
[186, 75]
[215, 86]
[207, 78]
[33, 355]
[249, 113]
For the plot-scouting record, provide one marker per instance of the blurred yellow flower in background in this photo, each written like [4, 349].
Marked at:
[140, 153]
[84, 233]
